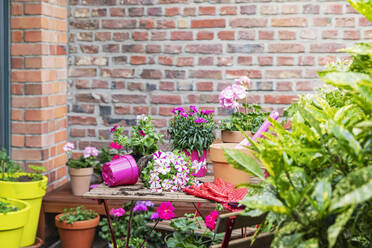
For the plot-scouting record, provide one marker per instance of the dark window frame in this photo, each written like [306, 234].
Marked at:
[4, 76]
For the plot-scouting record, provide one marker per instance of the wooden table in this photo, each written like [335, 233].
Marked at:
[137, 192]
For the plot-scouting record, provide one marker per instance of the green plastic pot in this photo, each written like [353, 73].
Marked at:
[12, 224]
[32, 193]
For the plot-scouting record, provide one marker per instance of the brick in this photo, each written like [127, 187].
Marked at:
[151, 74]
[99, 12]
[203, 61]
[99, 2]
[228, 10]
[204, 48]
[141, 110]
[306, 60]
[226, 35]
[306, 85]
[248, 10]
[125, 98]
[153, 48]
[154, 11]
[248, 22]
[17, 63]
[204, 86]
[102, 36]
[122, 110]
[212, 74]
[165, 111]
[117, 12]
[17, 114]
[322, 21]
[247, 35]
[27, 154]
[245, 60]
[147, 24]
[248, 48]
[140, 36]
[334, 9]
[84, 24]
[158, 35]
[165, 24]
[174, 49]
[205, 35]
[138, 60]
[290, 9]
[345, 22]
[132, 48]
[225, 61]
[289, 22]
[308, 34]
[265, 35]
[208, 23]
[119, 24]
[232, 74]
[181, 35]
[135, 11]
[286, 48]
[89, 49]
[294, 73]
[329, 34]
[111, 48]
[280, 99]
[207, 10]
[166, 99]
[287, 35]
[310, 9]
[164, 60]
[168, 86]
[178, 74]
[326, 47]
[351, 35]
[117, 73]
[269, 9]
[38, 115]
[84, 36]
[82, 120]
[120, 36]
[18, 140]
[82, 72]
[185, 61]
[285, 61]
[189, 11]
[17, 36]
[284, 86]
[135, 86]
[172, 11]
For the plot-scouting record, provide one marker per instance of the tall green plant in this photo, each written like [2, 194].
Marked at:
[320, 173]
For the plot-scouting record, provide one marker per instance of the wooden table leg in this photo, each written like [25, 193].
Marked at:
[130, 223]
[110, 224]
[41, 226]
[197, 207]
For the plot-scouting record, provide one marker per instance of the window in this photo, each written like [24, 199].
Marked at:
[4, 75]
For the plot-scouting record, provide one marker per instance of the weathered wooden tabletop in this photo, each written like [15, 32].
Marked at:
[139, 193]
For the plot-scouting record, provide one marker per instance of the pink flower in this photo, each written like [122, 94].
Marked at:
[183, 114]
[239, 91]
[93, 186]
[210, 220]
[230, 95]
[200, 120]
[154, 216]
[68, 147]
[141, 133]
[117, 212]
[165, 211]
[181, 110]
[113, 129]
[116, 157]
[90, 151]
[194, 109]
[243, 81]
[207, 112]
[116, 146]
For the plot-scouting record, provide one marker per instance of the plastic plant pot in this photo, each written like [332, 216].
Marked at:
[122, 171]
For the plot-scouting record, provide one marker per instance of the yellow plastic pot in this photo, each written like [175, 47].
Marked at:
[12, 224]
[32, 193]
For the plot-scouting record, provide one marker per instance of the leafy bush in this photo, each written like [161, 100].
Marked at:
[79, 213]
[6, 207]
[320, 173]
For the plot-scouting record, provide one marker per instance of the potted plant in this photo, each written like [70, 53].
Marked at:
[28, 187]
[144, 140]
[142, 214]
[169, 171]
[193, 132]
[77, 227]
[81, 169]
[248, 117]
[13, 217]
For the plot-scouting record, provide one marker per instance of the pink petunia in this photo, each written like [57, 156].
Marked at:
[141, 133]
[116, 146]
[165, 211]
[117, 212]
[113, 129]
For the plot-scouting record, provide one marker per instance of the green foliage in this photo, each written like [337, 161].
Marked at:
[105, 155]
[185, 236]
[249, 120]
[6, 207]
[363, 6]
[79, 213]
[144, 139]
[82, 162]
[36, 172]
[138, 228]
[188, 135]
[320, 180]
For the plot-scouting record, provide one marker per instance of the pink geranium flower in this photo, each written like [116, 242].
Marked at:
[116, 157]
[113, 129]
[116, 146]
[210, 220]
[117, 212]
[68, 147]
[165, 211]
[141, 133]
[90, 151]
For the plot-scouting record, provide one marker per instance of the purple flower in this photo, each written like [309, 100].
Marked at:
[154, 216]
[140, 207]
[68, 147]
[183, 114]
[113, 129]
[200, 120]
[181, 110]
[93, 186]
[117, 212]
[194, 109]
[207, 112]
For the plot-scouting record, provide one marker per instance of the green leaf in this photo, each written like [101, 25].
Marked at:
[243, 161]
[265, 202]
[336, 228]
[310, 243]
[356, 196]
[322, 193]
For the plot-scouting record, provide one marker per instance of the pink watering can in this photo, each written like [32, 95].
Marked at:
[259, 134]
[121, 171]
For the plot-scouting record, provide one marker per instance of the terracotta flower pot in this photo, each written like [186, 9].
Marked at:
[233, 136]
[222, 169]
[80, 180]
[80, 234]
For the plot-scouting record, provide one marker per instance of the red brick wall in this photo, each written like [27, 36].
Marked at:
[130, 57]
[38, 85]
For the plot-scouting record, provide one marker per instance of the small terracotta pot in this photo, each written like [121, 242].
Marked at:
[222, 169]
[233, 136]
[80, 234]
[80, 180]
